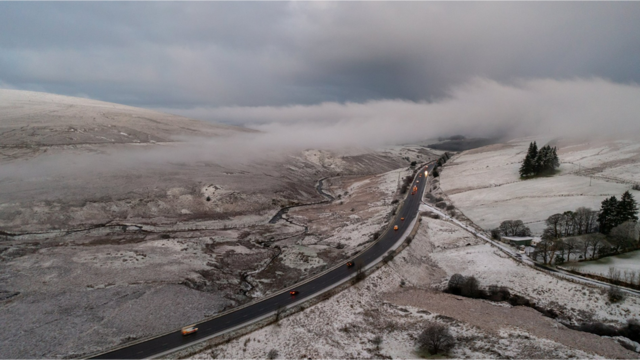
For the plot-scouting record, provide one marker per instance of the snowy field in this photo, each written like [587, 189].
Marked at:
[624, 262]
[485, 185]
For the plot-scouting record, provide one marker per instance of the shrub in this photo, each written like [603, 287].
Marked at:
[470, 287]
[615, 294]
[409, 239]
[465, 286]
[376, 235]
[636, 187]
[455, 284]
[377, 341]
[272, 354]
[498, 293]
[441, 205]
[495, 234]
[394, 201]
[517, 300]
[435, 338]
[387, 258]
[631, 331]
[599, 328]
[451, 207]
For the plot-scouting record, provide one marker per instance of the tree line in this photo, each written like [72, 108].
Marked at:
[510, 228]
[441, 161]
[611, 230]
[538, 162]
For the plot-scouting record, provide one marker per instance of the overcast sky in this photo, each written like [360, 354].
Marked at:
[194, 58]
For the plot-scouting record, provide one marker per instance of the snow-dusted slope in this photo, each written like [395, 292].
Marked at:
[485, 185]
[41, 119]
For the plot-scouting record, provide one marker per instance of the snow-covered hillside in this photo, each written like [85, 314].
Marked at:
[485, 185]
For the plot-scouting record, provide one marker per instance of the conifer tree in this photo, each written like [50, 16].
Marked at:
[555, 161]
[528, 164]
[541, 160]
[627, 208]
[608, 217]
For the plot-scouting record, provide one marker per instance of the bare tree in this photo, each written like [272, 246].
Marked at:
[571, 244]
[580, 218]
[592, 222]
[514, 228]
[542, 249]
[554, 224]
[622, 237]
[585, 245]
[435, 338]
[568, 223]
[548, 246]
[596, 245]
[560, 246]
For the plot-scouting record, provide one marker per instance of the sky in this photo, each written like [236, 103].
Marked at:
[320, 62]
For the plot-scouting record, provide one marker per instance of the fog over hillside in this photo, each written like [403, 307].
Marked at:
[482, 107]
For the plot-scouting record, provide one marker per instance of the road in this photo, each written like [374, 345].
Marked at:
[306, 290]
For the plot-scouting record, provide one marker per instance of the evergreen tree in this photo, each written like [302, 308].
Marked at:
[541, 160]
[627, 208]
[608, 217]
[528, 165]
[555, 161]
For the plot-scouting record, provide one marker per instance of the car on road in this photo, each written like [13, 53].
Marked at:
[187, 330]
[349, 264]
[293, 292]
[395, 228]
[401, 219]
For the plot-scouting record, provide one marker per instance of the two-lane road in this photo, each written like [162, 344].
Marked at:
[207, 329]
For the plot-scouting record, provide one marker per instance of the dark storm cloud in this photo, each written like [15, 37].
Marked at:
[181, 56]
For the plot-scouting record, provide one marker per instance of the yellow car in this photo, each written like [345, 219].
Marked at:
[395, 228]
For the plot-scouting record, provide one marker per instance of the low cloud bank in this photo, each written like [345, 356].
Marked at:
[482, 107]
